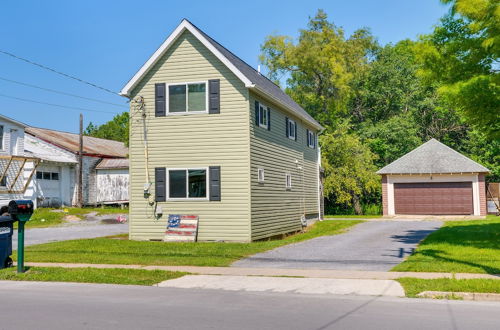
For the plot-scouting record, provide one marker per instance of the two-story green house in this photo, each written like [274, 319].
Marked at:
[212, 137]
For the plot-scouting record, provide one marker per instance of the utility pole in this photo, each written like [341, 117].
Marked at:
[79, 201]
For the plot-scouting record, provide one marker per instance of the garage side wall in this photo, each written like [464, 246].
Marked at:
[385, 197]
[482, 195]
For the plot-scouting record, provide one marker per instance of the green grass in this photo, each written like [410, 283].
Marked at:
[352, 216]
[45, 217]
[414, 286]
[458, 247]
[90, 275]
[122, 251]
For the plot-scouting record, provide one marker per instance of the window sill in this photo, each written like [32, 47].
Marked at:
[186, 113]
[204, 199]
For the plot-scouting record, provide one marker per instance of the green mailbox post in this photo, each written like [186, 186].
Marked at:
[20, 210]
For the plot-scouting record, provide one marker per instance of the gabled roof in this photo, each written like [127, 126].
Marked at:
[433, 157]
[91, 146]
[13, 121]
[248, 75]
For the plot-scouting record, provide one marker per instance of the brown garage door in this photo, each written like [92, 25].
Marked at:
[433, 198]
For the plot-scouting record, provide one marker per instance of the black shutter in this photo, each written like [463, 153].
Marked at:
[214, 96]
[286, 127]
[160, 184]
[295, 131]
[214, 175]
[257, 113]
[268, 119]
[308, 139]
[160, 100]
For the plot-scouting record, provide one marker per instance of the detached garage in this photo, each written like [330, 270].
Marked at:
[434, 179]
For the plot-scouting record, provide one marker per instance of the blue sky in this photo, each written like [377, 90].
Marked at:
[105, 42]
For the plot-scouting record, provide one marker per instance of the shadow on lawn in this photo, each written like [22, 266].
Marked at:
[478, 236]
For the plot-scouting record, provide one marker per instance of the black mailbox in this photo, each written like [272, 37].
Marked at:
[21, 210]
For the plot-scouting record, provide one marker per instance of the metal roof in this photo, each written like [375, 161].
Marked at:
[91, 146]
[112, 163]
[433, 157]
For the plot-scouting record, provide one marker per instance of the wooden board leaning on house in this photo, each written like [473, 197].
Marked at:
[16, 173]
[181, 228]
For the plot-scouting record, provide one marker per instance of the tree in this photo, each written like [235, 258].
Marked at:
[116, 129]
[349, 169]
[462, 57]
[320, 65]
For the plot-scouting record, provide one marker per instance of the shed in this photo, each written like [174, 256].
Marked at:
[434, 179]
[112, 181]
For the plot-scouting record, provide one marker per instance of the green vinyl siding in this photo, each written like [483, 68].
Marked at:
[193, 141]
[276, 210]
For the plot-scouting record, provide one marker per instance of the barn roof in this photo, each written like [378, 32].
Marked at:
[91, 146]
[112, 163]
[433, 157]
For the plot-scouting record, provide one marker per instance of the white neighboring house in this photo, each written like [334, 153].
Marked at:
[15, 168]
[105, 168]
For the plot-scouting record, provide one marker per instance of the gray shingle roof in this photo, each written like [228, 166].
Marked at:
[432, 157]
[259, 80]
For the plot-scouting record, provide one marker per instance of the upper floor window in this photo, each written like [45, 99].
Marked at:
[187, 183]
[263, 116]
[311, 139]
[1, 137]
[187, 97]
[291, 129]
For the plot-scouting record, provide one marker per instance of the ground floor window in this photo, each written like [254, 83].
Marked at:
[187, 183]
[40, 175]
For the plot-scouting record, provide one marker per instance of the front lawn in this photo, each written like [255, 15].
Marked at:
[49, 217]
[90, 275]
[458, 247]
[414, 286]
[122, 251]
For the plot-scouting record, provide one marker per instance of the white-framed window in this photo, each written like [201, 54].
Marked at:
[288, 180]
[311, 139]
[1, 137]
[185, 98]
[187, 184]
[41, 175]
[263, 116]
[260, 175]
[292, 129]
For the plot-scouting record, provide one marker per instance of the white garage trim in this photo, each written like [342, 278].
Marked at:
[427, 178]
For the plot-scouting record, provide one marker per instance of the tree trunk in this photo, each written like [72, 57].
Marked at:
[357, 205]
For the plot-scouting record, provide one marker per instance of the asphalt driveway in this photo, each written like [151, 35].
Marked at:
[371, 246]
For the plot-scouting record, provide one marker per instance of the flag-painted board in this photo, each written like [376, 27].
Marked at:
[181, 228]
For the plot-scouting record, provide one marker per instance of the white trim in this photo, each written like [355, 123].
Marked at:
[187, 198]
[185, 25]
[289, 135]
[288, 175]
[265, 109]
[391, 179]
[261, 170]
[319, 181]
[187, 112]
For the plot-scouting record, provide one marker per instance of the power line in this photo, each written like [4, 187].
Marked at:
[58, 72]
[55, 105]
[60, 92]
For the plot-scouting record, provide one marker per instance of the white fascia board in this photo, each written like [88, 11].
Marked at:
[185, 25]
[262, 92]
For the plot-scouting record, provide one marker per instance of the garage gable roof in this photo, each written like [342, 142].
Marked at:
[433, 157]
[247, 74]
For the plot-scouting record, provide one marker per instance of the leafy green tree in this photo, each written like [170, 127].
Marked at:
[392, 138]
[320, 65]
[462, 57]
[349, 169]
[116, 129]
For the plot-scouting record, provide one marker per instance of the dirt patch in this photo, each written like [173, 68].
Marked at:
[71, 218]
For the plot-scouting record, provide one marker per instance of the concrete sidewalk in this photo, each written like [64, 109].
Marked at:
[308, 273]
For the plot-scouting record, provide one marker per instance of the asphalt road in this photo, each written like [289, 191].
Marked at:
[34, 305]
[64, 233]
[371, 246]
